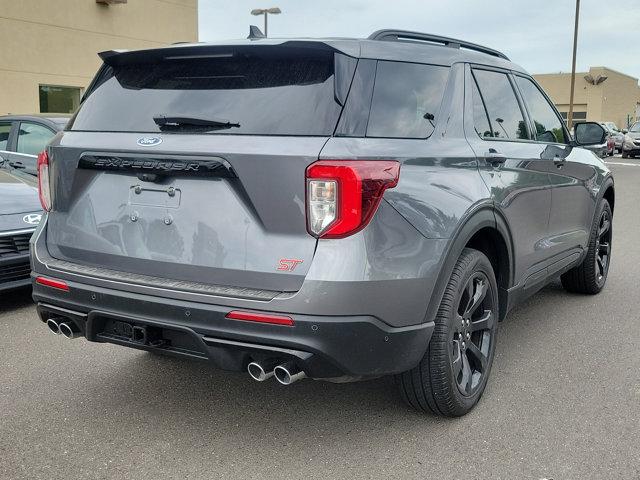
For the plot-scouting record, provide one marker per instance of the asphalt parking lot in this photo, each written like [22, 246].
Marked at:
[563, 401]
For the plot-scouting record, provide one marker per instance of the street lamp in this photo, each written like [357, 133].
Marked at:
[266, 12]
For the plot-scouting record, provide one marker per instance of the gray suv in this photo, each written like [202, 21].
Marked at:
[338, 209]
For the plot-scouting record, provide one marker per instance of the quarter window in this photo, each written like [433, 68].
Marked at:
[505, 115]
[548, 127]
[406, 99]
[32, 138]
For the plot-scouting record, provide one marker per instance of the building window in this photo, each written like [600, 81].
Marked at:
[56, 99]
[576, 115]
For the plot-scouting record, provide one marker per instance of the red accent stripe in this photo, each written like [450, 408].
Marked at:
[49, 282]
[260, 317]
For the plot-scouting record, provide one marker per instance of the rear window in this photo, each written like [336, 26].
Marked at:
[406, 99]
[282, 91]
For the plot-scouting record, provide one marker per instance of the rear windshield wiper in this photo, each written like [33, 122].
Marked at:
[179, 122]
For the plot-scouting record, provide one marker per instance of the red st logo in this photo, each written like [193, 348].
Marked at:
[288, 264]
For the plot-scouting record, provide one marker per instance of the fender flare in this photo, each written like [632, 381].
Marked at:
[483, 216]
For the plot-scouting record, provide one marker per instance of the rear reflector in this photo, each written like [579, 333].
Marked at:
[260, 317]
[49, 282]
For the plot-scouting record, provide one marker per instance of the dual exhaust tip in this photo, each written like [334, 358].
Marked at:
[285, 373]
[61, 326]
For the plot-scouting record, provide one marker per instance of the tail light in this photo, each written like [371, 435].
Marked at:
[343, 195]
[44, 191]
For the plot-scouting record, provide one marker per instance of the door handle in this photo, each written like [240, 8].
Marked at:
[494, 158]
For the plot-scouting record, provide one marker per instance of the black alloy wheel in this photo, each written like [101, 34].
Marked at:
[473, 335]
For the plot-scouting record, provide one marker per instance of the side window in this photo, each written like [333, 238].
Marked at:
[505, 116]
[406, 99]
[32, 138]
[5, 130]
[480, 116]
[548, 127]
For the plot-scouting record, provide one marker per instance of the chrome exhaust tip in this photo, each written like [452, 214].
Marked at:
[69, 330]
[288, 373]
[261, 371]
[54, 326]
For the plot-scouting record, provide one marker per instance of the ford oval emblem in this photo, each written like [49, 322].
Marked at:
[149, 141]
[32, 218]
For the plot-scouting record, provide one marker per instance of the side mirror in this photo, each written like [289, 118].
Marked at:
[589, 133]
[625, 131]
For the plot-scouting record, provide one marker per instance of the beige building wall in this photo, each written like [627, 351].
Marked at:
[55, 42]
[613, 100]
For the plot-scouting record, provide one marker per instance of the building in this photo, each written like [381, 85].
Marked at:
[601, 95]
[49, 48]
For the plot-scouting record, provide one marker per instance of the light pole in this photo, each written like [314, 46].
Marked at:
[573, 66]
[266, 12]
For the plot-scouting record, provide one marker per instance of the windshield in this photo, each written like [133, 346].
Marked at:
[635, 128]
[611, 126]
[283, 92]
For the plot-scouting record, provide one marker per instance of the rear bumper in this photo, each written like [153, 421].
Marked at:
[328, 347]
[14, 272]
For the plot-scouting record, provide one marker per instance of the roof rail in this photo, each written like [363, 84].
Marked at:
[406, 35]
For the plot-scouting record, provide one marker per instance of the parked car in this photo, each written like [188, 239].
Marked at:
[20, 213]
[22, 137]
[631, 145]
[616, 133]
[337, 209]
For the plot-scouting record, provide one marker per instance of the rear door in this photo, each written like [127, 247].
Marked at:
[512, 165]
[31, 138]
[215, 192]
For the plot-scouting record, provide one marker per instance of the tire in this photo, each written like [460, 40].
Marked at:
[624, 154]
[591, 275]
[463, 342]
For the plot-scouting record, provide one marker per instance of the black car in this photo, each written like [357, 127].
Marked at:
[23, 137]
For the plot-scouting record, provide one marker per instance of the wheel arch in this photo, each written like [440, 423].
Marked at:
[487, 231]
[609, 193]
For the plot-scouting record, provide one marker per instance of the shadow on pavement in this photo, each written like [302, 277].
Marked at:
[13, 299]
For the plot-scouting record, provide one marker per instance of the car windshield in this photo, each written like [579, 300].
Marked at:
[611, 126]
[635, 127]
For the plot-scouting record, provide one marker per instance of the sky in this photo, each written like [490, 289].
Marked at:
[537, 35]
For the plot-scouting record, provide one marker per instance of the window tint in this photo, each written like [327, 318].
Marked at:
[55, 99]
[32, 138]
[480, 119]
[548, 127]
[5, 130]
[406, 99]
[264, 91]
[506, 118]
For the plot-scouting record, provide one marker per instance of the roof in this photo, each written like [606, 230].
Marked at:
[379, 49]
[59, 120]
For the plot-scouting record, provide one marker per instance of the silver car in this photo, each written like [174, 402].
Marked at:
[338, 209]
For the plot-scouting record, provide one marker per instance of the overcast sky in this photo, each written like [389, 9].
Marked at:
[535, 34]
